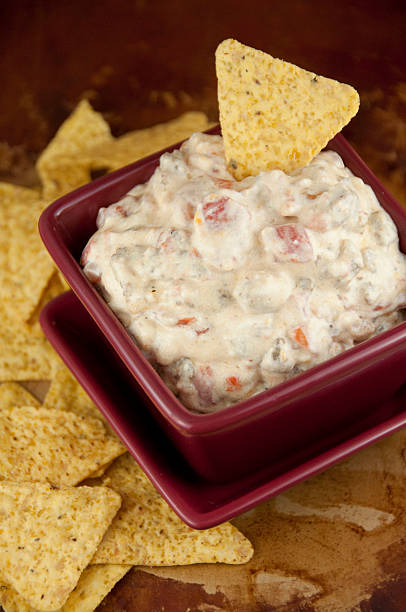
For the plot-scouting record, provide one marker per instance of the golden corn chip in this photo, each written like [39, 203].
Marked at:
[25, 266]
[98, 473]
[65, 393]
[24, 355]
[61, 167]
[11, 194]
[12, 394]
[52, 446]
[94, 584]
[274, 114]
[48, 536]
[147, 531]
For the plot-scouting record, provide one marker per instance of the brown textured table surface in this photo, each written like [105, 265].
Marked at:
[336, 542]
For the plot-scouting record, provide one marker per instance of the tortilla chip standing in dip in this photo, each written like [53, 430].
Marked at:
[274, 114]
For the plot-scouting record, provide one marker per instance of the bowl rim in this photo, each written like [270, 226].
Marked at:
[166, 402]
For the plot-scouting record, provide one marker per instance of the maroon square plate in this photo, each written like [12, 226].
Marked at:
[198, 502]
[268, 427]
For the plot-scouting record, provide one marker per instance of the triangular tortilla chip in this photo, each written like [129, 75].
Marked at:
[24, 355]
[48, 536]
[11, 195]
[147, 531]
[94, 584]
[65, 393]
[59, 166]
[25, 266]
[274, 114]
[49, 445]
[12, 394]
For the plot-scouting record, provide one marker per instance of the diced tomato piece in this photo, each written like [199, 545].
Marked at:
[300, 337]
[233, 384]
[199, 332]
[186, 321]
[293, 244]
[215, 213]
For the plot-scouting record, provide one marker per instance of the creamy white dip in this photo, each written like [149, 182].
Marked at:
[230, 288]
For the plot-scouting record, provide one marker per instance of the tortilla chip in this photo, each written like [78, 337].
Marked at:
[12, 394]
[10, 193]
[52, 446]
[60, 166]
[65, 393]
[140, 143]
[94, 584]
[147, 531]
[48, 536]
[25, 266]
[24, 355]
[274, 114]
[97, 474]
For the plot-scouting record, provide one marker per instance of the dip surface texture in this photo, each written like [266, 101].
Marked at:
[230, 288]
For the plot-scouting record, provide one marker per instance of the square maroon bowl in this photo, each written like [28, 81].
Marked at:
[199, 502]
[267, 427]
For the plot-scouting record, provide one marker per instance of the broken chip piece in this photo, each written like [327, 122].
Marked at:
[274, 114]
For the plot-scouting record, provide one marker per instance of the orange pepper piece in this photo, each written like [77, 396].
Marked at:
[300, 337]
[186, 321]
[233, 384]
